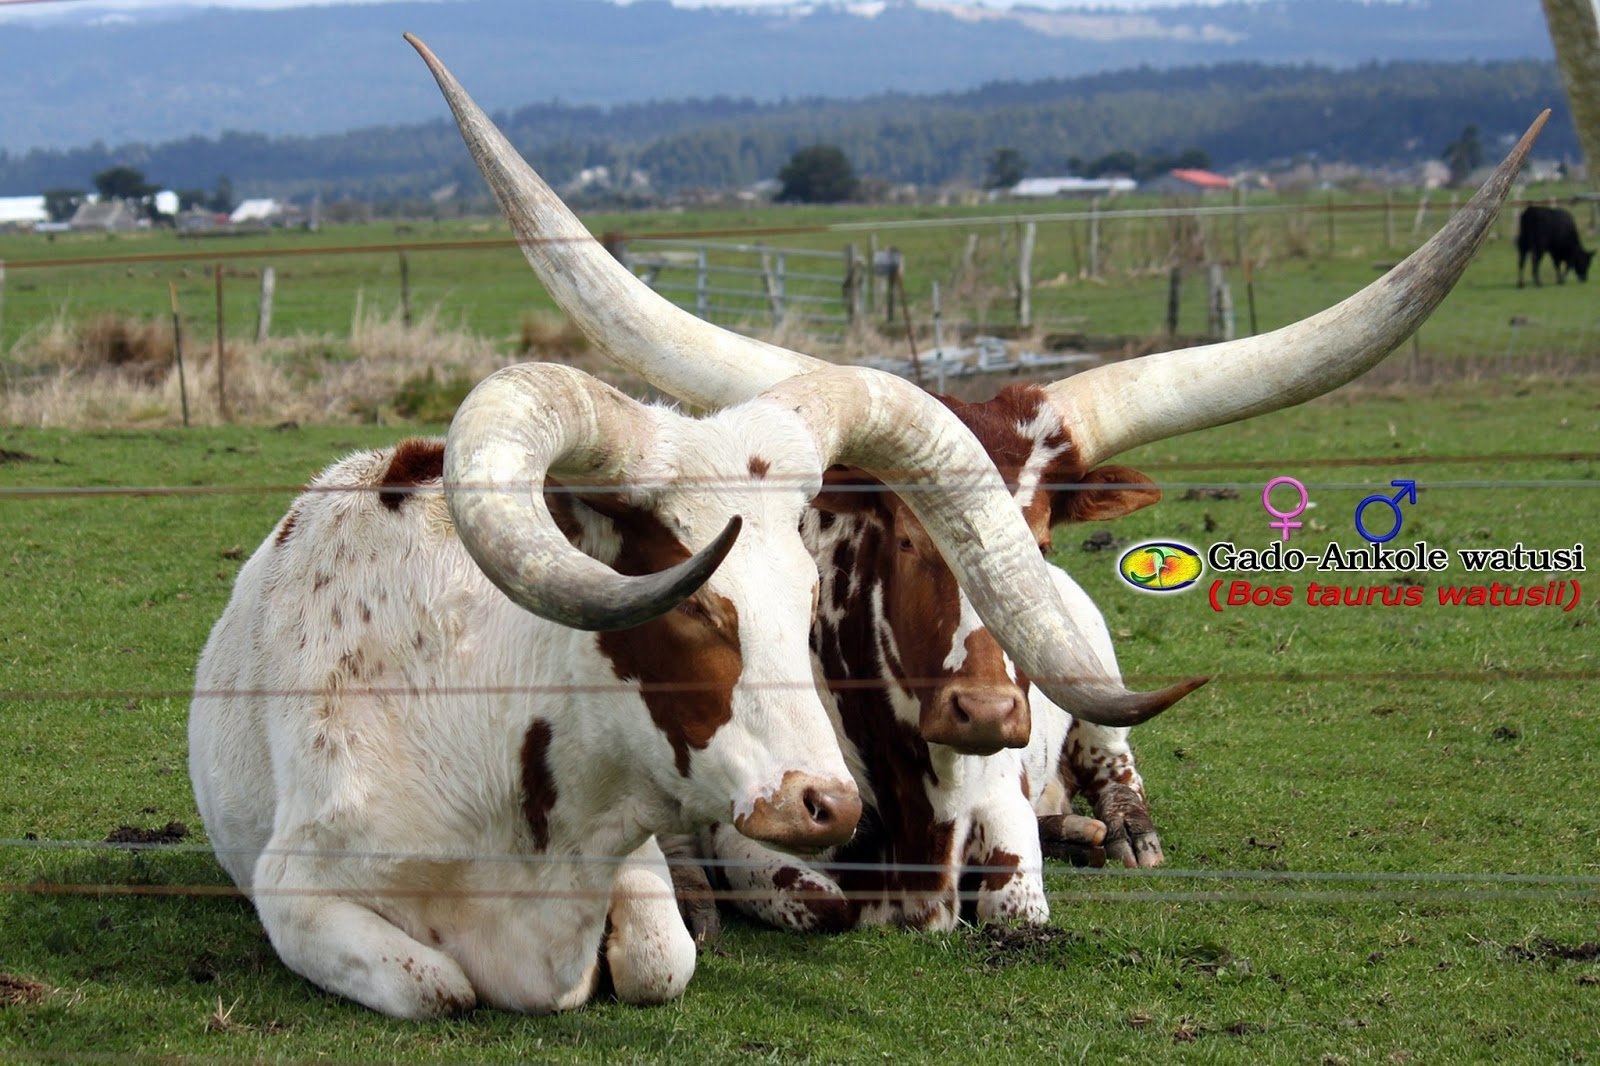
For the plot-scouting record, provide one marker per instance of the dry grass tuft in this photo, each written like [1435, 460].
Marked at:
[112, 371]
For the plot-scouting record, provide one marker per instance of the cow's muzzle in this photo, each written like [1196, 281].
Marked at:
[976, 719]
[806, 812]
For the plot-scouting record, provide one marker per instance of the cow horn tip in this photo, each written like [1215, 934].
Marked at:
[422, 50]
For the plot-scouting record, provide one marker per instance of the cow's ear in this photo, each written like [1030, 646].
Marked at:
[847, 490]
[1102, 494]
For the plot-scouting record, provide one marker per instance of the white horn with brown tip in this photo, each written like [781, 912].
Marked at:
[1113, 408]
[515, 427]
[894, 430]
[688, 357]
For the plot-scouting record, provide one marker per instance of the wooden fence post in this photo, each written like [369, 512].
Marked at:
[847, 287]
[2, 307]
[1219, 303]
[1238, 223]
[269, 283]
[1250, 293]
[1174, 295]
[405, 291]
[773, 283]
[1094, 238]
[1422, 214]
[177, 351]
[1030, 233]
[702, 283]
[222, 355]
[872, 275]
[1388, 218]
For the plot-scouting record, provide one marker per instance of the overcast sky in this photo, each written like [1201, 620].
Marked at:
[41, 7]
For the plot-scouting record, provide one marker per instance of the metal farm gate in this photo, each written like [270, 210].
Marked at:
[734, 284]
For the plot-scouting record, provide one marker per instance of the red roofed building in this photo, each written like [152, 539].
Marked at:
[1188, 182]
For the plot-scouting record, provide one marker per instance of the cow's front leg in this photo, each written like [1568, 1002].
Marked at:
[650, 952]
[352, 951]
[1101, 766]
[697, 900]
[1003, 851]
[776, 888]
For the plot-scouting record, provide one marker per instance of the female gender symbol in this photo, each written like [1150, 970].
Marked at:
[1283, 517]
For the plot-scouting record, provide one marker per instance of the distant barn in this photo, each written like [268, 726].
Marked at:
[1188, 181]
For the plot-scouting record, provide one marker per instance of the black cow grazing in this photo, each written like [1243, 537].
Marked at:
[1550, 230]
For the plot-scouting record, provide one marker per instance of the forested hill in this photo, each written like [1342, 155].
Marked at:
[1237, 113]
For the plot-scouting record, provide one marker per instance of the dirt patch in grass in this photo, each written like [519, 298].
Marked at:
[1001, 947]
[19, 991]
[1542, 948]
[9, 456]
[170, 833]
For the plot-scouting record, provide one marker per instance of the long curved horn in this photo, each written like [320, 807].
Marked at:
[894, 430]
[520, 424]
[690, 358]
[1116, 407]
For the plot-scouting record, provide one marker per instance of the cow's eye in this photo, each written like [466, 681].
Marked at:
[696, 610]
[906, 545]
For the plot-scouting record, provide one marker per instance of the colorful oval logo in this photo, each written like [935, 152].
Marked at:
[1160, 567]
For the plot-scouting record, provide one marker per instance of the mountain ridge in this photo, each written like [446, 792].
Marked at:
[328, 69]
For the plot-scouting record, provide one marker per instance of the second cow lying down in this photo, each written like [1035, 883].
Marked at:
[934, 754]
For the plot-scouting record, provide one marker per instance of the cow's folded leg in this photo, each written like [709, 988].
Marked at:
[1073, 838]
[1005, 850]
[1101, 764]
[774, 887]
[349, 950]
[697, 901]
[649, 952]
[1131, 837]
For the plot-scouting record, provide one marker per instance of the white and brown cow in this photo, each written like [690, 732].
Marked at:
[437, 793]
[462, 683]
[926, 669]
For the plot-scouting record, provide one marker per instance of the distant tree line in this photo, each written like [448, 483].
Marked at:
[1134, 122]
[129, 185]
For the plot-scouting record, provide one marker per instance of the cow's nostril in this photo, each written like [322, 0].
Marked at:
[818, 807]
[959, 713]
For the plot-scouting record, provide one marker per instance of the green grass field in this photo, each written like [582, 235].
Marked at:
[1302, 258]
[1381, 823]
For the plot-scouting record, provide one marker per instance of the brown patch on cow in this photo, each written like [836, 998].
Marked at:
[321, 580]
[538, 783]
[998, 867]
[1083, 496]
[415, 462]
[787, 877]
[687, 661]
[759, 467]
[287, 528]
[1107, 492]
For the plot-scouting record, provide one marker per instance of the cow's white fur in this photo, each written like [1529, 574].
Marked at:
[362, 704]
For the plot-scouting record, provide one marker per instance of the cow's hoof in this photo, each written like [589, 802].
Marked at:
[1073, 838]
[1130, 834]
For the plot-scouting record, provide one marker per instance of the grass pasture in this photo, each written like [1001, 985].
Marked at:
[1293, 255]
[1381, 823]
